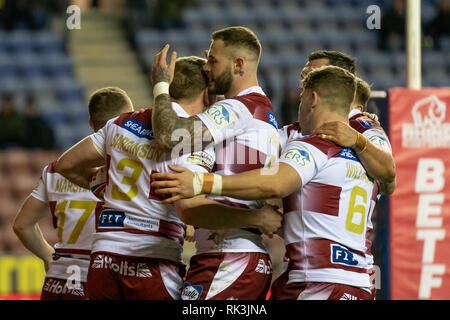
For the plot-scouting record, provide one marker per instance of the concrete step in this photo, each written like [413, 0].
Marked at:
[103, 57]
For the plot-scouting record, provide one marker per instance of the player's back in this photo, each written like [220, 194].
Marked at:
[134, 221]
[252, 144]
[326, 222]
[73, 209]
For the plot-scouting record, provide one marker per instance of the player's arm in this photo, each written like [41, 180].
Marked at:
[27, 229]
[276, 182]
[379, 163]
[79, 163]
[209, 214]
[165, 121]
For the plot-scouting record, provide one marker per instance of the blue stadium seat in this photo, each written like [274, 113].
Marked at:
[292, 60]
[376, 60]
[434, 59]
[364, 40]
[30, 65]
[321, 15]
[12, 85]
[213, 15]
[68, 89]
[269, 60]
[20, 41]
[7, 65]
[175, 37]
[4, 48]
[46, 42]
[58, 64]
[266, 15]
[147, 37]
[445, 43]
[348, 14]
[39, 85]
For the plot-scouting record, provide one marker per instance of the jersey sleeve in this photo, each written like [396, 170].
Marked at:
[283, 137]
[303, 158]
[378, 137]
[40, 192]
[372, 131]
[99, 138]
[226, 119]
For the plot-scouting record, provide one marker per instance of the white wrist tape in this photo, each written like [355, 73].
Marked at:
[160, 88]
[208, 183]
[217, 185]
[198, 183]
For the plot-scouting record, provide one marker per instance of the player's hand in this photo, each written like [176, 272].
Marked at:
[269, 220]
[339, 132]
[179, 184]
[372, 116]
[160, 70]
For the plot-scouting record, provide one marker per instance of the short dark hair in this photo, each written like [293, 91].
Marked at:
[362, 95]
[107, 103]
[189, 79]
[335, 58]
[239, 37]
[334, 85]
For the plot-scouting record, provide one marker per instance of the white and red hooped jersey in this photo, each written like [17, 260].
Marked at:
[245, 135]
[364, 125]
[73, 209]
[134, 222]
[326, 221]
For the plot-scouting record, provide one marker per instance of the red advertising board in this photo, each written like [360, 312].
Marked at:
[420, 206]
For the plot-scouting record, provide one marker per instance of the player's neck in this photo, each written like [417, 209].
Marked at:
[193, 107]
[328, 117]
[241, 84]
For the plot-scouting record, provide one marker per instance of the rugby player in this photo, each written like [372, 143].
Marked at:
[377, 158]
[228, 264]
[72, 208]
[330, 197]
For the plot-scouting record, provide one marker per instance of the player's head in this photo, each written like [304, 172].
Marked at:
[322, 58]
[362, 95]
[107, 103]
[234, 53]
[326, 90]
[189, 81]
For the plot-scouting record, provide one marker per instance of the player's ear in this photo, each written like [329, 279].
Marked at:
[91, 124]
[239, 66]
[208, 98]
[315, 98]
[358, 106]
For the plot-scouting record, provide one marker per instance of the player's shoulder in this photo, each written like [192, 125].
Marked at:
[50, 169]
[325, 147]
[293, 128]
[259, 106]
[143, 116]
[361, 123]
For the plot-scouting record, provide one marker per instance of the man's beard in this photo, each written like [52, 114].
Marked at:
[222, 83]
